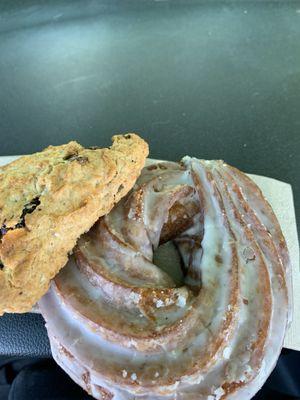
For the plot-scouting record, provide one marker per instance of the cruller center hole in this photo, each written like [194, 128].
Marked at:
[167, 258]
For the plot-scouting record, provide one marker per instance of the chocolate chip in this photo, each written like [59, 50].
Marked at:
[70, 156]
[1, 265]
[28, 209]
[127, 136]
[245, 301]
[3, 230]
[81, 159]
[20, 224]
[121, 187]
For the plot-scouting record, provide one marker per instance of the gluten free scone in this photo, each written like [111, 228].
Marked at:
[47, 200]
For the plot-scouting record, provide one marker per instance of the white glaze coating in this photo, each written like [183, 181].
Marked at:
[120, 321]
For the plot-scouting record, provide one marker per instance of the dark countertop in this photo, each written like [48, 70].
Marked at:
[209, 79]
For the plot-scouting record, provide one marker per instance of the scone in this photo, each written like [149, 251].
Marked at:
[47, 200]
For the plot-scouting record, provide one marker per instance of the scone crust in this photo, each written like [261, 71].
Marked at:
[47, 200]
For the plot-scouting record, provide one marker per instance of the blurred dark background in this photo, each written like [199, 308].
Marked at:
[205, 78]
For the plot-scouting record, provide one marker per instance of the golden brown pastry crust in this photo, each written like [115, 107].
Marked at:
[47, 200]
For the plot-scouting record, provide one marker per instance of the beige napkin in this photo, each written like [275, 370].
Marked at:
[280, 196]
